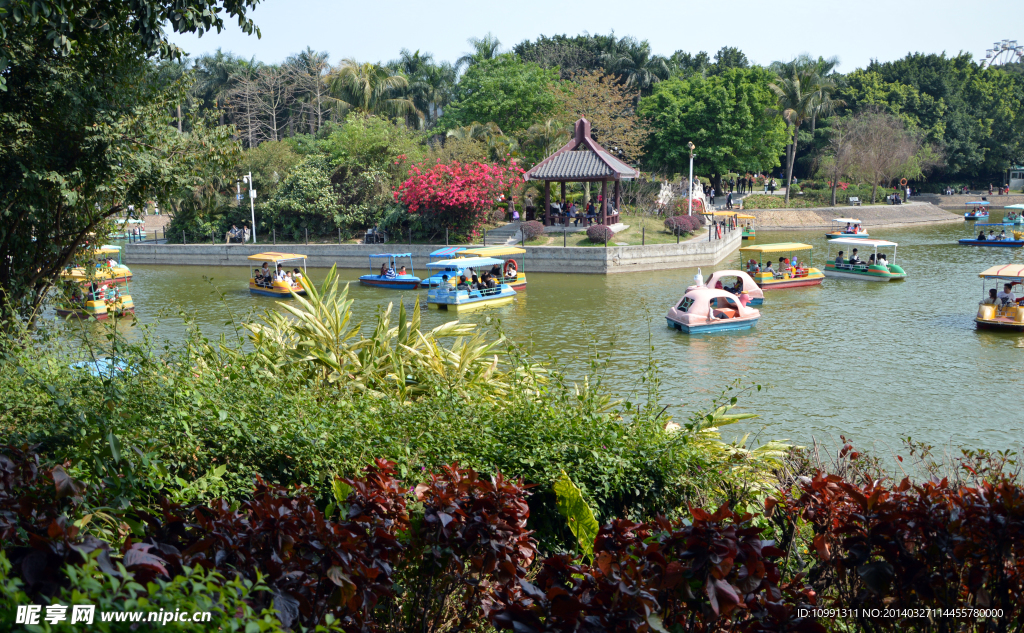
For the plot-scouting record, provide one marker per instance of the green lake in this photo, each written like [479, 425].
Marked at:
[875, 362]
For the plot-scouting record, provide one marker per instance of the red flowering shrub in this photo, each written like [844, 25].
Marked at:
[532, 229]
[456, 196]
[599, 233]
[680, 206]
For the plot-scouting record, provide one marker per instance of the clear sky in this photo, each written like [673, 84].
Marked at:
[854, 30]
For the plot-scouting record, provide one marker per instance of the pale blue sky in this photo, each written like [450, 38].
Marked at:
[854, 30]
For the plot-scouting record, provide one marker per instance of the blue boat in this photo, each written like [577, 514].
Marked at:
[1007, 243]
[978, 212]
[448, 297]
[447, 252]
[389, 277]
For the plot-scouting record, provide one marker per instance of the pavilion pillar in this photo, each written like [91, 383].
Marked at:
[562, 202]
[618, 198]
[604, 202]
[547, 203]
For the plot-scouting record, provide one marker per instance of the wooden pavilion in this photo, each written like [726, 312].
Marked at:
[581, 160]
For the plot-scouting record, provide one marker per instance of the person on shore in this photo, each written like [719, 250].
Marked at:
[1006, 297]
[572, 215]
[728, 201]
[233, 232]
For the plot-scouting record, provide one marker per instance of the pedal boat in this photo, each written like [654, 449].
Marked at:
[100, 289]
[840, 231]
[978, 212]
[1016, 242]
[863, 271]
[749, 232]
[789, 278]
[1010, 317]
[704, 310]
[392, 280]
[447, 252]
[1016, 215]
[446, 297]
[278, 289]
[512, 273]
[750, 293]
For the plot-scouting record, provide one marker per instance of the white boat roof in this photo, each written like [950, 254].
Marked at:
[856, 241]
[466, 262]
[850, 220]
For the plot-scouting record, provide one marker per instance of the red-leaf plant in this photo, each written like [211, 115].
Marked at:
[899, 547]
[715, 574]
[457, 196]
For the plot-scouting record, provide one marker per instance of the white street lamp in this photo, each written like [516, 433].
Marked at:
[252, 203]
[689, 204]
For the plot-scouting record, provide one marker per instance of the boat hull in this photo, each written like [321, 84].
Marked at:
[719, 325]
[812, 278]
[975, 217]
[749, 234]
[865, 274]
[832, 236]
[268, 292]
[993, 243]
[489, 302]
[376, 281]
[1003, 324]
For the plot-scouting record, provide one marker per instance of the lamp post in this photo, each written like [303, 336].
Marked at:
[247, 179]
[689, 199]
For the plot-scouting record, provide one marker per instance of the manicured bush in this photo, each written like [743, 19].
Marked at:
[498, 215]
[532, 229]
[684, 224]
[599, 233]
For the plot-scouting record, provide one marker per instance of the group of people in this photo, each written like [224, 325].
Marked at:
[1001, 298]
[855, 260]
[853, 229]
[992, 237]
[572, 213]
[786, 265]
[238, 235]
[266, 276]
[487, 281]
[388, 272]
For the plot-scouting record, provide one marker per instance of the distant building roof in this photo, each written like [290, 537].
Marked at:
[582, 158]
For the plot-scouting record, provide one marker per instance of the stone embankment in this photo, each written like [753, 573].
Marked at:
[598, 260]
[997, 201]
[912, 214]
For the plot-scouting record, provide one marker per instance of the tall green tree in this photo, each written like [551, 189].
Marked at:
[505, 90]
[633, 64]
[371, 88]
[485, 48]
[85, 131]
[727, 117]
[801, 94]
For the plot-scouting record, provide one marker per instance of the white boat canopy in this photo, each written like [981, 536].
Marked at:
[847, 220]
[862, 241]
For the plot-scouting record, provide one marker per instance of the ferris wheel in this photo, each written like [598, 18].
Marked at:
[1004, 52]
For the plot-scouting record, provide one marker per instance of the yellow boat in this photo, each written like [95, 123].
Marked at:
[803, 275]
[1008, 316]
[98, 290]
[744, 221]
[274, 287]
[513, 274]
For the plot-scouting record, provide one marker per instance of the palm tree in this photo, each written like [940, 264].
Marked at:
[430, 84]
[631, 61]
[802, 93]
[371, 88]
[484, 48]
[545, 138]
[215, 79]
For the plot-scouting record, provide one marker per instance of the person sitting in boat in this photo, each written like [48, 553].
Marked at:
[496, 271]
[768, 268]
[981, 236]
[718, 285]
[839, 259]
[490, 281]
[1002, 235]
[297, 276]
[475, 283]
[882, 260]
[1006, 297]
[280, 276]
[463, 284]
[992, 299]
[871, 260]
[401, 271]
[991, 235]
[854, 259]
[389, 273]
[849, 228]
[752, 267]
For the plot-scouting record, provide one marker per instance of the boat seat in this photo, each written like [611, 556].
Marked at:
[725, 313]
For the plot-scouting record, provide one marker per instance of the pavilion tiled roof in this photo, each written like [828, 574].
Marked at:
[581, 158]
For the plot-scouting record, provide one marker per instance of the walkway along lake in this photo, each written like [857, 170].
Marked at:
[875, 362]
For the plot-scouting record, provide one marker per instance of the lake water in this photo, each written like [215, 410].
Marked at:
[873, 361]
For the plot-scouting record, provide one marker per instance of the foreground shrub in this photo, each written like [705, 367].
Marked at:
[599, 233]
[889, 551]
[498, 216]
[532, 229]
